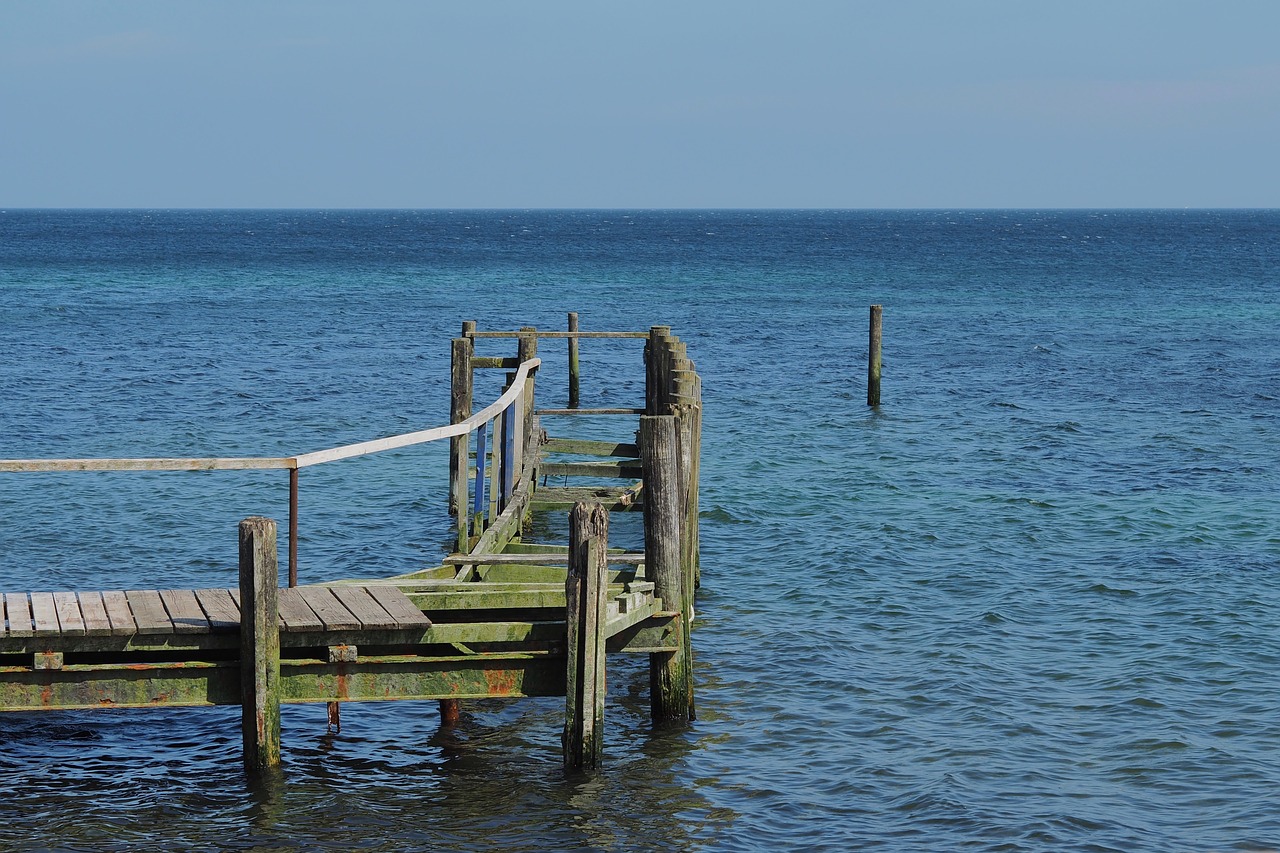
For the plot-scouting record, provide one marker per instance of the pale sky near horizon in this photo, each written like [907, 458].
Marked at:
[701, 103]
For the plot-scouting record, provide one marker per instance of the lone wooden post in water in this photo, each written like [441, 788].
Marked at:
[574, 374]
[670, 673]
[873, 357]
[259, 644]
[586, 600]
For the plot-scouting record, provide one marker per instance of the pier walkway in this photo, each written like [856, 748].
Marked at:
[501, 616]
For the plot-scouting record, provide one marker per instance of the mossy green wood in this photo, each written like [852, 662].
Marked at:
[585, 447]
[624, 468]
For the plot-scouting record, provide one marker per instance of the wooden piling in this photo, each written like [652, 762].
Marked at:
[459, 446]
[655, 395]
[670, 673]
[573, 362]
[527, 349]
[586, 598]
[873, 356]
[259, 644]
[692, 503]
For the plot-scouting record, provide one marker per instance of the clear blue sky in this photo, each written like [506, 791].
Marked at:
[697, 103]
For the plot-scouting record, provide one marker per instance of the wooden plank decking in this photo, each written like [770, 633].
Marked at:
[203, 611]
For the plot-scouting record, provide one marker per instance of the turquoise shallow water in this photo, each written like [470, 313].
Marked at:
[1027, 604]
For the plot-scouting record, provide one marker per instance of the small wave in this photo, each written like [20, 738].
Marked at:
[721, 514]
[1103, 589]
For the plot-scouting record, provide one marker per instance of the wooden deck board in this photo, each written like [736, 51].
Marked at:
[70, 620]
[331, 612]
[18, 614]
[45, 615]
[221, 609]
[119, 613]
[184, 611]
[96, 623]
[363, 606]
[295, 613]
[398, 605]
[148, 611]
[311, 609]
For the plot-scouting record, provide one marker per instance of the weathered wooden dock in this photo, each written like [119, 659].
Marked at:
[501, 616]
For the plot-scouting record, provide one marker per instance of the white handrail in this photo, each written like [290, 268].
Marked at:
[303, 460]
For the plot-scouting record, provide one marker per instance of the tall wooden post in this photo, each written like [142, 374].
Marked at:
[655, 395]
[670, 673]
[873, 356]
[459, 410]
[692, 505]
[461, 399]
[259, 644]
[573, 362]
[528, 348]
[586, 598]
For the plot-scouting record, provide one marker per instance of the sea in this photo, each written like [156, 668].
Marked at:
[1030, 602]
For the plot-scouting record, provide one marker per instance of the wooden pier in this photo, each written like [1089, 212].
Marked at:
[501, 616]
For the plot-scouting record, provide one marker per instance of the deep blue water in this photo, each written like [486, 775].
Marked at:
[1030, 603]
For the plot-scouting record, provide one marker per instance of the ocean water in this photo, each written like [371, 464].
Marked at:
[1031, 602]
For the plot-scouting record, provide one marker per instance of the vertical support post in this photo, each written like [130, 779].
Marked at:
[480, 503]
[259, 644]
[517, 445]
[460, 400]
[573, 362]
[496, 460]
[873, 356]
[684, 469]
[469, 329]
[510, 425]
[586, 598]
[655, 396]
[692, 508]
[293, 527]
[527, 349]
[670, 673]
